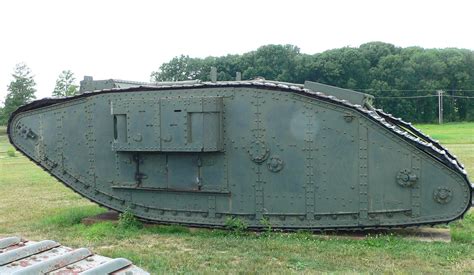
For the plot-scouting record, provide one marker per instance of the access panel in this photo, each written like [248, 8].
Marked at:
[136, 125]
[192, 124]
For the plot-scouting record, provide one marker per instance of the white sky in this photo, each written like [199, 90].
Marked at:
[130, 39]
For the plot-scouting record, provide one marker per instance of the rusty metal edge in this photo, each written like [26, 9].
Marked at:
[20, 254]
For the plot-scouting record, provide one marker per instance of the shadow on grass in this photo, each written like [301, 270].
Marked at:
[70, 217]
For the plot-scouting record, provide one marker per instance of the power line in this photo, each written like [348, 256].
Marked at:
[408, 90]
[459, 96]
[459, 91]
[407, 97]
[393, 90]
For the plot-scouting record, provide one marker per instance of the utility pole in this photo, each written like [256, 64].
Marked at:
[440, 106]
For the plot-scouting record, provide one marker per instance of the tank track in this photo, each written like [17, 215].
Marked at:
[21, 256]
[401, 128]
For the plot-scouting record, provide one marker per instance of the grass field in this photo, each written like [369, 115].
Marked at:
[34, 205]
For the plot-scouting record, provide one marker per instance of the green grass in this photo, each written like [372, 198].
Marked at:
[70, 216]
[36, 206]
[450, 133]
[458, 138]
[4, 144]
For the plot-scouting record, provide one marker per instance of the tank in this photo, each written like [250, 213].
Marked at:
[291, 156]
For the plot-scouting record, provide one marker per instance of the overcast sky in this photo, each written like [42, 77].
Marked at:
[130, 39]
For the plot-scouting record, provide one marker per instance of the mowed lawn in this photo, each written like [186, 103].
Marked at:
[36, 206]
[458, 138]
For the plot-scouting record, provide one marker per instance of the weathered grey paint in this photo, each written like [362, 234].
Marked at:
[20, 256]
[198, 154]
[349, 95]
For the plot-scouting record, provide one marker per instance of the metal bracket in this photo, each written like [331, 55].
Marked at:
[406, 178]
[348, 117]
[442, 195]
[275, 164]
[138, 175]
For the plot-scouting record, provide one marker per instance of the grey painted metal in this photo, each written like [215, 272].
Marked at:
[52, 258]
[5, 242]
[55, 263]
[213, 74]
[108, 267]
[238, 76]
[23, 252]
[261, 151]
[349, 95]
[88, 84]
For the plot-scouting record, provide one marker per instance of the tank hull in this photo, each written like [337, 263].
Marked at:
[263, 153]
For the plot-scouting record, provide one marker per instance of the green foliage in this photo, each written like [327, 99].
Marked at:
[266, 224]
[65, 85]
[236, 225]
[21, 91]
[378, 68]
[180, 68]
[380, 240]
[128, 221]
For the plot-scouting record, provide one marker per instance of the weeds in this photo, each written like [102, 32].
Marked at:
[236, 225]
[379, 240]
[128, 221]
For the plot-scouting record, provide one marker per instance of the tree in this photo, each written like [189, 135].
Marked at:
[179, 68]
[65, 85]
[273, 62]
[21, 91]
[403, 80]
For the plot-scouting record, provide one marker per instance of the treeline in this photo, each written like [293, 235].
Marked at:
[22, 89]
[377, 68]
[404, 81]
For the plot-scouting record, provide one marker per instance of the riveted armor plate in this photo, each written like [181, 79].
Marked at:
[406, 178]
[275, 164]
[442, 195]
[258, 151]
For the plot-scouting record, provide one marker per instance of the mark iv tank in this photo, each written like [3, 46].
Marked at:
[306, 156]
